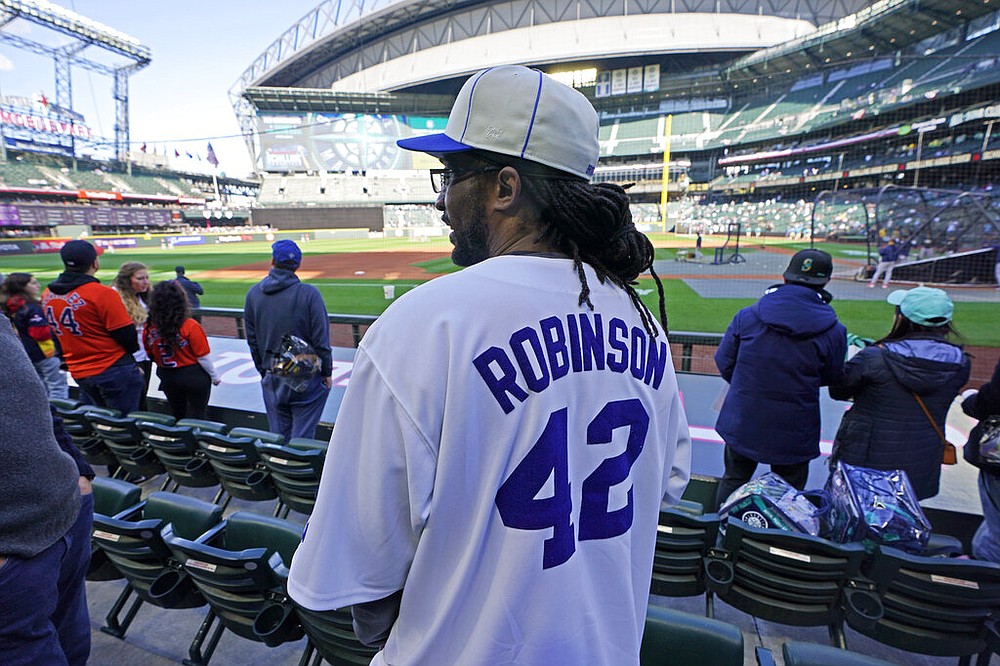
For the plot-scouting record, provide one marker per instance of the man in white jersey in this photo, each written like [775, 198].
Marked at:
[493, 484]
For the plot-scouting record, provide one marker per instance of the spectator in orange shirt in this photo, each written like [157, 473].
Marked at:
[97, 335]
[178, 345]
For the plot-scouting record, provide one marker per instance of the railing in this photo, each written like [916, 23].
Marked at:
[347, 330]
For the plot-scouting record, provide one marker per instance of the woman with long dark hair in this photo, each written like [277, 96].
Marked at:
[902, 387]
[178, 345]
[132, 284]
[21, 304]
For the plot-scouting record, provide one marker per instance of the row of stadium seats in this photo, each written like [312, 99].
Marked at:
[19, 173]
[961, 67]
[179, 552]
[926, 604]
[245, 463]
[173, 548]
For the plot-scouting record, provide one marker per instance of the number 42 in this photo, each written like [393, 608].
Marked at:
[517, 500]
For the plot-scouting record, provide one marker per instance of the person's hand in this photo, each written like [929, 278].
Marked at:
[328, 382]
[86, 487]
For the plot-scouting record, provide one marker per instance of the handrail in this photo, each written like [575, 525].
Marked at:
[686, 339]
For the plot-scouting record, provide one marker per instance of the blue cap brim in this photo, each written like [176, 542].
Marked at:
[432, 143]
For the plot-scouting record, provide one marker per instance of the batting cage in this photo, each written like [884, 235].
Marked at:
[942, 236]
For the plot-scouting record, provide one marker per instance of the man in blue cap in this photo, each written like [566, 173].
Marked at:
[281, 305]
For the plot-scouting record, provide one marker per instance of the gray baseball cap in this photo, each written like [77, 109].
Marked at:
[523, 113]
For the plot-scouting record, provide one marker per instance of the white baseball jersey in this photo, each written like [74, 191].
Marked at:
[500, 456]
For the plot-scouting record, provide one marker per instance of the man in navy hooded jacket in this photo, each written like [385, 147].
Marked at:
[277, 305]
[775, 355]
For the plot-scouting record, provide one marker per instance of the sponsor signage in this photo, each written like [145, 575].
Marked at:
[46, 246]
[41, 126]
[116, 242]
[185, 240]
[12, 248]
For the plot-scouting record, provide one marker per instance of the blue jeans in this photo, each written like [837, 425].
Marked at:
[43, 600]
[291, 413]
[119, 387]
[53, 377]
[986, 540]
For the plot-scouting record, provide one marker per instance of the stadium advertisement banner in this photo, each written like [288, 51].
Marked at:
[341, 142]
[41, 126]
[116, 242]
[15, 247]
[48, 246]
[185, 240]
[33, 215]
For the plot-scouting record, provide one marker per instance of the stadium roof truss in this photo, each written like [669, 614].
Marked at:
[878, 30]
[342, 38]
[83, 33]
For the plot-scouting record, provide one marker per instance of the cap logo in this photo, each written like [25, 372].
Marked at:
[493, 132]
[807, 265]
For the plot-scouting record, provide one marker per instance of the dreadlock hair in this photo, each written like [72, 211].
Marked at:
[592, 224]
[168, 308]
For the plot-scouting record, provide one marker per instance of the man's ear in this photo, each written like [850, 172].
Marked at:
[508, 189]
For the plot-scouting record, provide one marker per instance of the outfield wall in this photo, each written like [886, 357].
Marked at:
[171, 241]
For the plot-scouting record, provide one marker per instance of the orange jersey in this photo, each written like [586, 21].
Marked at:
[82, 319]
[186, 350]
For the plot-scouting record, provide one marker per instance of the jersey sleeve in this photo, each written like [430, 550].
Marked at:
[676, 478]
[192, 331]
[111, 308]
[373, 501]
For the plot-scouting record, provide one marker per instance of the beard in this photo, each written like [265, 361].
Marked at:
[470, 242]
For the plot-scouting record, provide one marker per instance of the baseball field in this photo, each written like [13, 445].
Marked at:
[701, 297]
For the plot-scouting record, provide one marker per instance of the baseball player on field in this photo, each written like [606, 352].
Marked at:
[494, 480]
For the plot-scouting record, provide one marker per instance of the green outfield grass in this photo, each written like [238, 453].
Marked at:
[686, 310]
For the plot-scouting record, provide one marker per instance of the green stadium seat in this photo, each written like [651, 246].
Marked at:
[674, 637]
[788, 578]
[241, 568]
[133, 541]
[176, 446]
[682, 541]
[236, 461]
[295, 470]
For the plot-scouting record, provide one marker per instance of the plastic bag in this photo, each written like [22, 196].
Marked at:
[770, 502]
[296, 362]
[874, 507]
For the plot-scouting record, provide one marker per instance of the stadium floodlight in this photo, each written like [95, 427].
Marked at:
[70, 23]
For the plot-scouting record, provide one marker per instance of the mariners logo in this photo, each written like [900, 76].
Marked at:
[755, 519]
[807, 265]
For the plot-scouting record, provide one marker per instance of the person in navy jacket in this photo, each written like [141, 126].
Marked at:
[776, 354]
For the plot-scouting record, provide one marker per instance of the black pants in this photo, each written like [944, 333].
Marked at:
[187, 389]
[739, 469]
[147, 373]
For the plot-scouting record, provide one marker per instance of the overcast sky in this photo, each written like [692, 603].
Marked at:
[180, 101]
